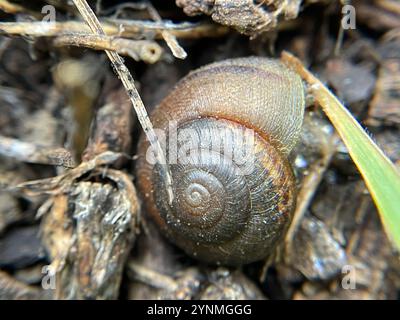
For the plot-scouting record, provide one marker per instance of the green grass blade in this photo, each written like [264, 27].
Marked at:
[379, 173]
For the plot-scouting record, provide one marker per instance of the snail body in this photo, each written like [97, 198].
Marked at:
[236, 122]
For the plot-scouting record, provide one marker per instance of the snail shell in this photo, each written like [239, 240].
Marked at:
[234, 190]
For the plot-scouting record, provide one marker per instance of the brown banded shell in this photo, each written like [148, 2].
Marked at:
[236, 122]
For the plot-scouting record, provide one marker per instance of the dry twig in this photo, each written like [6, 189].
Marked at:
[169, 38]
[145, 50]
[115, 27]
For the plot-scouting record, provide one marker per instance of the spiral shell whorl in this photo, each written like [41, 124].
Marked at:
[228, 210]
[226, 206]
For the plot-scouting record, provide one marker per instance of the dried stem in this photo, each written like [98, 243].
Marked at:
[128, 82]
[169, 38]
[183, 30]
[145, 50]
[117, 27]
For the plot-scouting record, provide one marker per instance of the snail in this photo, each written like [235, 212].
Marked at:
[235, 123]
